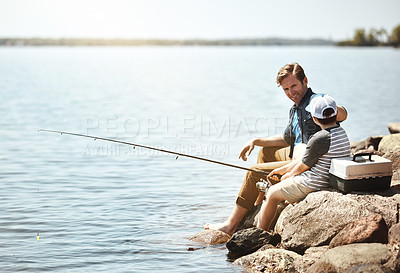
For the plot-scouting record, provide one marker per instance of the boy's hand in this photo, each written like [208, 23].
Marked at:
[275, 176]
[278, 171]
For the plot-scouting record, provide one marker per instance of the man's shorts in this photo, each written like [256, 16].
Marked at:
[293, 190]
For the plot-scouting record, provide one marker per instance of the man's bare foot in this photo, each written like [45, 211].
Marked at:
[224, 227]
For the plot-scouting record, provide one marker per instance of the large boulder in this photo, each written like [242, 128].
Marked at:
[321, 215]
[394, 156]
[394, 234]
[394, 128]
[366, 268]
[394, 241]
[270, 260]
[371, 229]
[279, 224]
[313, 254]
[342, 258]
[389, 143]
[247, 241]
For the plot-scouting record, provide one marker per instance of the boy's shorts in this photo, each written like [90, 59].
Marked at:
[293, 190]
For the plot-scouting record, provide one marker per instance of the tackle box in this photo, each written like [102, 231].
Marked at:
[362, 172]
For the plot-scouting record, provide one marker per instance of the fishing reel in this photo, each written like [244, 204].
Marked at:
[263, 185]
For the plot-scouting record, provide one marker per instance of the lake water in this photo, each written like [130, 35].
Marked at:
[102, 207]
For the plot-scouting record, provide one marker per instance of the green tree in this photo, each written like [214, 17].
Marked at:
[359, 37]
[382, 36]
[372, 39]
[395, 37]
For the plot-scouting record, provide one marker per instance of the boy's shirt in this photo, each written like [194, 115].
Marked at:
[324, 145]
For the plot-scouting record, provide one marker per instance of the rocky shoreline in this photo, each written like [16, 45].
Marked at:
[328, 231]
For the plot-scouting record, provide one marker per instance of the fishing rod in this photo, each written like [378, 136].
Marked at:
[155, 149]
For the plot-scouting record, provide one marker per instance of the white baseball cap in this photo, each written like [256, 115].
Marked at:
[319, 104]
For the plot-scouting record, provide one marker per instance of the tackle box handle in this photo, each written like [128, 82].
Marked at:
[361, 154]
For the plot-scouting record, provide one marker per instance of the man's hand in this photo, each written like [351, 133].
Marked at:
[246, 150]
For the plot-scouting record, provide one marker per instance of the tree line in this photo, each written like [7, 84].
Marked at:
[374, 37]
[159, 42]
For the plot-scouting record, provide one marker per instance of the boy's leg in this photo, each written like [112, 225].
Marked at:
[289, 189]
[268, 209]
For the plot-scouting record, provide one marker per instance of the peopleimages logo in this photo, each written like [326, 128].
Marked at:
[190, 126]
[193, 134]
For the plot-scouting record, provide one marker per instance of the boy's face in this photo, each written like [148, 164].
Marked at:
[294, 89]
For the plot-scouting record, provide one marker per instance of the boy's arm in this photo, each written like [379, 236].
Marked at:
[316, 147]
[298, 168]
[284, 169]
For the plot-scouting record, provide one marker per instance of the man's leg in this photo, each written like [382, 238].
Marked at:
[230, 225]
[272, 154]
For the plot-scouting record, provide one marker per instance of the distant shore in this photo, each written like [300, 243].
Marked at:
[163, 42]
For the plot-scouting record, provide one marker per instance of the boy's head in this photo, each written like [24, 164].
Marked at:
[324, 109]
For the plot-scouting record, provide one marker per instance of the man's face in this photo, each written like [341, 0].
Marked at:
[294, 89]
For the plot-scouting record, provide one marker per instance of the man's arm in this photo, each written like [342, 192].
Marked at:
[277, 141]
[341, 114]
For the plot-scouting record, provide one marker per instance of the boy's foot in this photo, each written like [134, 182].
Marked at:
[224, 227]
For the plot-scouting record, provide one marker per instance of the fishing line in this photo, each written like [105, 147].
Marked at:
[155, 149]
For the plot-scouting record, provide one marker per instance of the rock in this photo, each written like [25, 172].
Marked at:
[279, 224]
[366, 268]
[270, 260]
[249, 240]
[321, 215]
[369, 145]
[394, 156]
[342, 258]
[394, 263]
[311, 255]
[394, 128]
[210, 237]
[389, 143]
[394, 234]
[371, 229]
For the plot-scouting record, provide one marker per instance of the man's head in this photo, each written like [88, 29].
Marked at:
[293, 81]
[323, 110]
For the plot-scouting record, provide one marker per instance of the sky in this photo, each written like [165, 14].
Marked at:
[187, 19]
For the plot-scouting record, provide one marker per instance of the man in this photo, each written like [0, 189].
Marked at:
[277, 150]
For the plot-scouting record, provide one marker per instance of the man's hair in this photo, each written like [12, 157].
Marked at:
[290, 69]
[327, 112]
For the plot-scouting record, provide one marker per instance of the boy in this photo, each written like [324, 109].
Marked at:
[310, 173]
